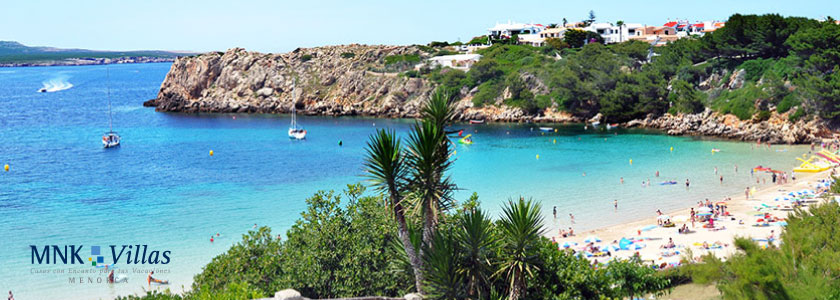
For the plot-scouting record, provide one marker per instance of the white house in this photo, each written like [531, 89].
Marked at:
[458, 61]
[507, 30]
[615, 34]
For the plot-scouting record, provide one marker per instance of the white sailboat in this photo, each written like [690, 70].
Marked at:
[296, 132]
[110, 139]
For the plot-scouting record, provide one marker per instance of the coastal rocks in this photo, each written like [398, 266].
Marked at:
[775, 130]
[736, 80]
[317, 81]
[288, 294]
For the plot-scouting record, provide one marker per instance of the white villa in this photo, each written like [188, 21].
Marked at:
[459, 61]
[507, 30]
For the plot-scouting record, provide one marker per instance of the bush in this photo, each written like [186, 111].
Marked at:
[348, 55]
[401, 58]
[788, 102]
[306, 57]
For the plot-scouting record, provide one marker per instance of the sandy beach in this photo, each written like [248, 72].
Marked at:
[740, 223]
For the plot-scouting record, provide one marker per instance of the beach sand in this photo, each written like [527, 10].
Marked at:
[739, 208]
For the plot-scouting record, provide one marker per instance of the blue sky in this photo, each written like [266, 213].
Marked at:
[280, 26]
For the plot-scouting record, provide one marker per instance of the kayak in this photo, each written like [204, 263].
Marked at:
[668, 182]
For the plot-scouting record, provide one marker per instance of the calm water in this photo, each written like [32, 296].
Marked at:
[162, 189]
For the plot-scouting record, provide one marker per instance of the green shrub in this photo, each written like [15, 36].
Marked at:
[787, 103]
[402, 58]
[306, 57]
[348, 55]
[763, 115]
[487, 93]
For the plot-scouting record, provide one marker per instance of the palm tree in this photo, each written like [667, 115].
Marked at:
[429, 158]
[620, 25]
[521, 228]
[386, 168]
[477, 243]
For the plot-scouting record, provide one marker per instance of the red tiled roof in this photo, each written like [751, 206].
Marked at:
[682, 25]
[698, 25]
[670, 24]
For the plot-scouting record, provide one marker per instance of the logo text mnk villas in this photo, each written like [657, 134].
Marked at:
[73, 254]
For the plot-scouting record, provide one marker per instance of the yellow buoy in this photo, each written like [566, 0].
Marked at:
[672, 149]
[631, 161]
[538, 156]
[211, 152]
[6, 167]
[554, 141]
[455, 152]
[555, 129]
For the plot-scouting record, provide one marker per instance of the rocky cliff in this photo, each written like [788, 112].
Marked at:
[331, 80]
[777, 129]
[355, 80]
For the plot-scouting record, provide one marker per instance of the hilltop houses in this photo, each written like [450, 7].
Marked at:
[535, 34]
[458, 61]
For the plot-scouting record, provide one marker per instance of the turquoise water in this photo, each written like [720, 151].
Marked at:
[161, 188]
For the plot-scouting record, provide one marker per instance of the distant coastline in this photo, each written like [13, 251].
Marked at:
[85, 61]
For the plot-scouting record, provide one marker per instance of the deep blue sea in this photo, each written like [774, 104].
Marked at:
[161, 188]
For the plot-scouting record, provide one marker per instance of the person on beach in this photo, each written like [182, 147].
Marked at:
[693, 217]
[622, 180]
[657, 173]
[736, 168]
[747, 193]
[555, 212]
[687, 183]
[572, 217]
[255, 225]
[721, 179]
[615, 203]
[571, 232]
[716, 170]
[11, 297]
[111, 276]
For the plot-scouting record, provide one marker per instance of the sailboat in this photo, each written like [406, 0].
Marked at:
[296, 132]
[110, 139]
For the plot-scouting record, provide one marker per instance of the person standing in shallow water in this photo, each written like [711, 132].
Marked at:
[555, 212]
[615, 203]
[687, 183]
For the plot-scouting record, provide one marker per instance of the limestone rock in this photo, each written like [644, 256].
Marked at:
[413, 296]
[288, 294]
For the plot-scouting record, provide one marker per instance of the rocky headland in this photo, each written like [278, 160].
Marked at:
[352, 80]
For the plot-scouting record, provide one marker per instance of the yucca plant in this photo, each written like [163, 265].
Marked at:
[521, 227]
[477, 242]
[386, 168]
[442, 263]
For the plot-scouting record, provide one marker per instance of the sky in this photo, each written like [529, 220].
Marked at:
[281, 26]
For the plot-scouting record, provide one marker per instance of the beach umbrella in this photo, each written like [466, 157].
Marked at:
[663, 217]
[649, 227]
[704, 209]
[624, 244]
[680, 218]
[592, 239]
[704, 214]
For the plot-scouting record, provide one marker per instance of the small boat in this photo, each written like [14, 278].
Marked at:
[42, 90]
[671, 182]
[295, 132]
[110, 139]
[546, 129]
[611, 126]
[596, 123]
[467, 140]
[477, 121]
[715, 150]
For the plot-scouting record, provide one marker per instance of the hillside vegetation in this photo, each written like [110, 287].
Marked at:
[750, 67]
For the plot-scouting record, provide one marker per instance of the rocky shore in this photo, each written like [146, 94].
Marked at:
[351, 80]
[777, 129]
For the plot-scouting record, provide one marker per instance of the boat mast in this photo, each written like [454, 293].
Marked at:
[108, 88]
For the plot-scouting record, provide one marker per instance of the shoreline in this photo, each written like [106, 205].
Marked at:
[738, 207]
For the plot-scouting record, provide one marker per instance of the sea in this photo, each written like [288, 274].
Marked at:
[161, 189]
